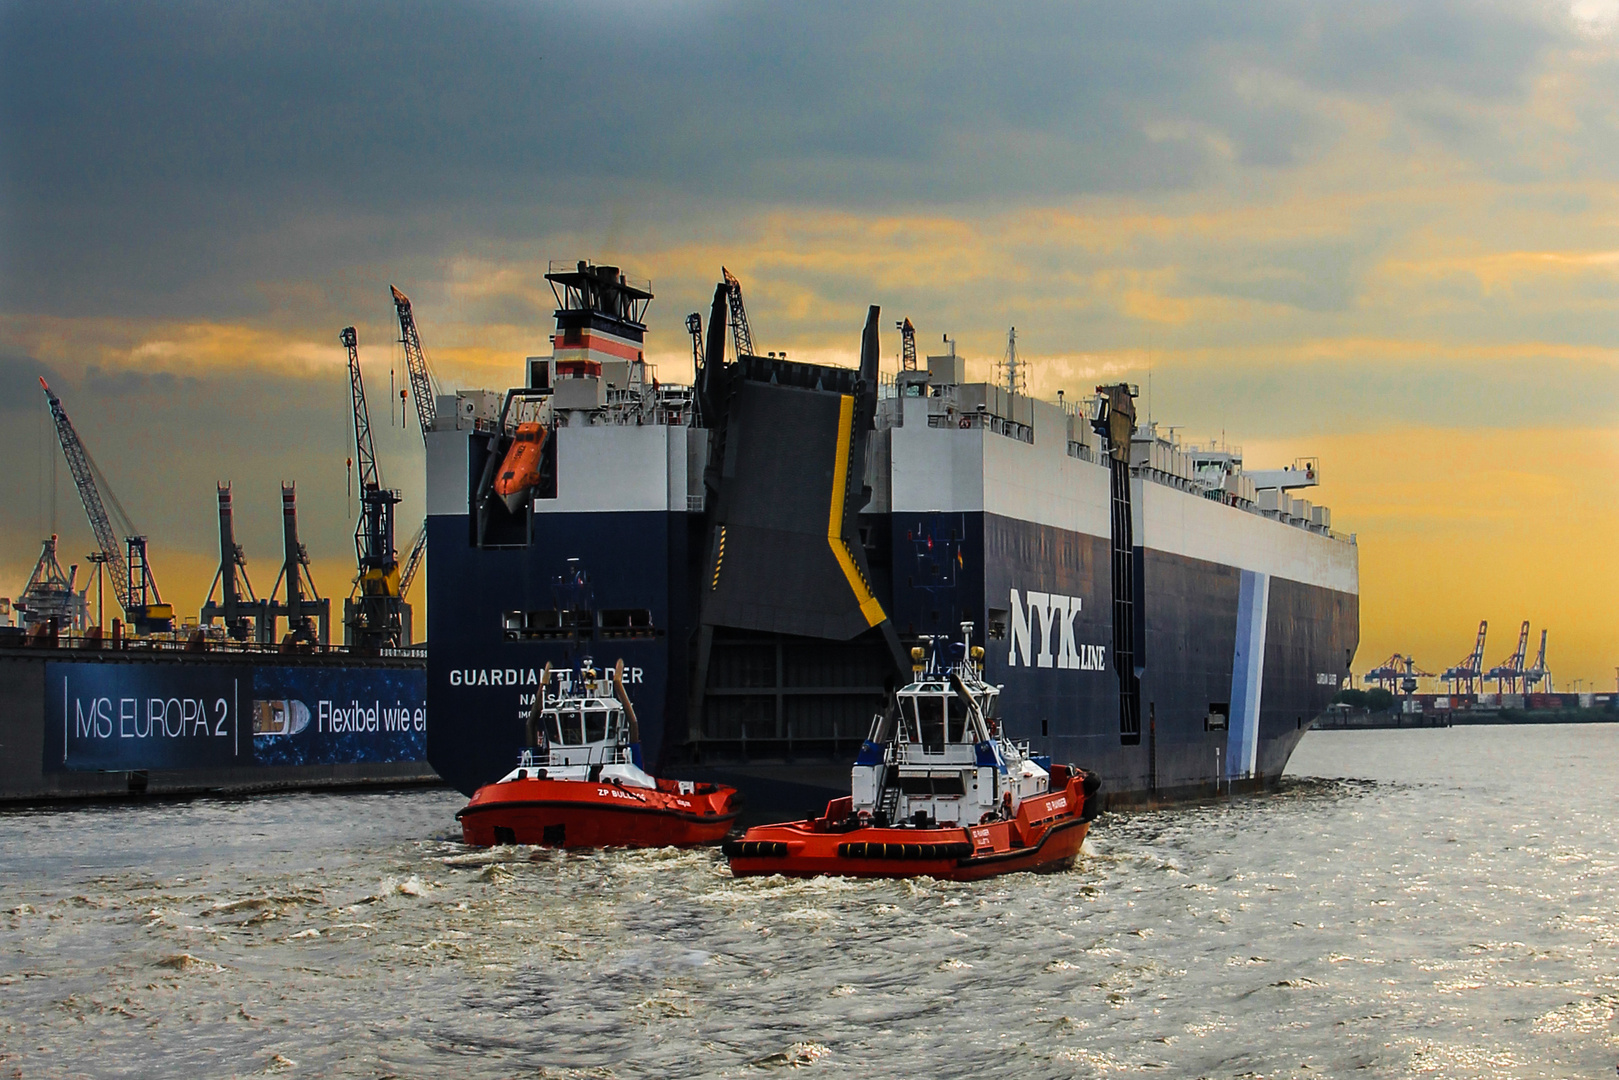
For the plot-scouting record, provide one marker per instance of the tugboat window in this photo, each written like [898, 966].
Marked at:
[957, 714]
[907, 710]
[932, 723]
[573, 732]
[595, 725]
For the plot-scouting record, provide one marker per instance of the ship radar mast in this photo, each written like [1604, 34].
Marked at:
[1013, 368]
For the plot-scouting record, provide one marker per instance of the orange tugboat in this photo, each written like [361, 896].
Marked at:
[937, 792]
[580, 784]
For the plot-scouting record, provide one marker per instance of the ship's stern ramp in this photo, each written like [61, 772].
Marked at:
[785, 571]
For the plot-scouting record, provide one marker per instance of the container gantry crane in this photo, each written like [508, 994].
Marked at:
[1537, 671]
[1508, 676]
[371, 617]
[132, 579]
[1470, 671]
[1398, 674]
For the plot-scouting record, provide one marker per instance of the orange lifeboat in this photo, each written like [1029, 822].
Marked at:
[520, 470]
[581, 785]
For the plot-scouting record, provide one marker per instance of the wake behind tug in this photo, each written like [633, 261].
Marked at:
[580, 783]
[936, 791]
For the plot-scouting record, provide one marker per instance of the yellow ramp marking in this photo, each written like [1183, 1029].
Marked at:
[869, 607]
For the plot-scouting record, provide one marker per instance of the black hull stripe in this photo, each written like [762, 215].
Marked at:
[965, 862]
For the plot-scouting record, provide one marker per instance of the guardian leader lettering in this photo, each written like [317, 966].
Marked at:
[520, 676]
[146, 718]
[335, 719]
[1054, 616]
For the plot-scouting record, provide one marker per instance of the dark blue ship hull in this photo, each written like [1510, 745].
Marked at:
[788, 739]
[482, 677]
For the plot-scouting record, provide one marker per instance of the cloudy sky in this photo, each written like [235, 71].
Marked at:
[1386, 235]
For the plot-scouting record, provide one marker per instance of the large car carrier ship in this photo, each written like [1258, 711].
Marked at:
[764, 549]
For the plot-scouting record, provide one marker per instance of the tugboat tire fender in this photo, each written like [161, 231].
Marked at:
[879, 850]
[754, 849]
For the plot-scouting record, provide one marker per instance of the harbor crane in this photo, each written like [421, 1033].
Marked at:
[1469, 672]
[1508, 676]
[245, 616]
[309, 615]
[132, 579]
[372, 617]
[741, 333]
[52, 596]
[1533, 675]
[424, 390]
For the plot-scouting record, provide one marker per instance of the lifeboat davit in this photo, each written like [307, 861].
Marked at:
[580, 784]
[936, 792]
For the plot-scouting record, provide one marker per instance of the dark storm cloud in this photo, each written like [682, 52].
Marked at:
[154, 156]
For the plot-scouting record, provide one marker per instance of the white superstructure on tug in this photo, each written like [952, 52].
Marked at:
[937, 757]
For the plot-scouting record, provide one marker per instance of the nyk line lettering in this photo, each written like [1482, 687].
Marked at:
[1053, 616]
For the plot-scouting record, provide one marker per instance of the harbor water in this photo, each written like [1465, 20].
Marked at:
[1411, 903]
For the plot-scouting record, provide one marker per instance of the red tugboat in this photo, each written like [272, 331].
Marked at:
[936, 792]
[581, 785]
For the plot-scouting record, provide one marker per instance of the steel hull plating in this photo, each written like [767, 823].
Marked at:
[480, 682]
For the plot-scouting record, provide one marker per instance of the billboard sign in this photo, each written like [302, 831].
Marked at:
[151, 716]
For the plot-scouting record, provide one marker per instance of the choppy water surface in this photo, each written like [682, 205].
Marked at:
[1421, 902]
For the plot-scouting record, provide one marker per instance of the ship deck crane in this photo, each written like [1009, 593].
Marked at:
[132, 579]
[741, 333]
[371, 617]
[424, 390]
[1508, 676]
[907, 346]
[1471, 670]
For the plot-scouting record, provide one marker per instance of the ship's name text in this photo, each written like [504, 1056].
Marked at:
[527, 676]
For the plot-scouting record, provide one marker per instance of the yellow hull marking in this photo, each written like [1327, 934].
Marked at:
[869, 607]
